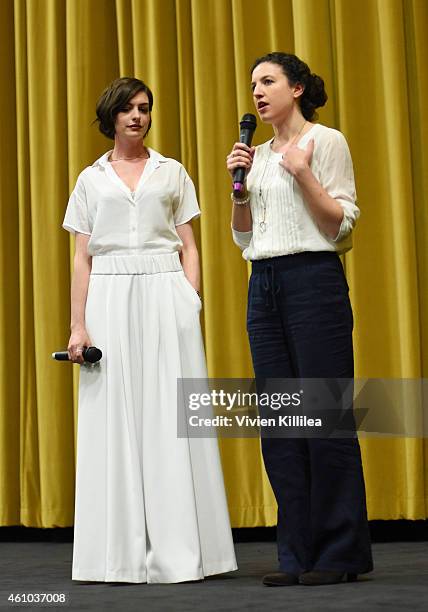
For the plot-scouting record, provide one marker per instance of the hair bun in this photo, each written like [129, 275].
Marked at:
[313, 96]
[316, 92]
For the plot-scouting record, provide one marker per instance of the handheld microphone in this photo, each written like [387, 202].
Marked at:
[247, 125]
[91, 354]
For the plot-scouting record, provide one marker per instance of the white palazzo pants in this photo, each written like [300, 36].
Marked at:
[150, 507]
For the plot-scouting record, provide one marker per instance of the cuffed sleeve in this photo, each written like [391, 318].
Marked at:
[242, 239]
[186, 204]
[76, 216]
[337, 178]
[350, 216]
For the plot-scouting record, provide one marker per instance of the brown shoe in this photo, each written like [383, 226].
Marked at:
[280, 579]
[316, 578]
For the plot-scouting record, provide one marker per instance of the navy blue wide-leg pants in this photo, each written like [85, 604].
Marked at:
[300, 324]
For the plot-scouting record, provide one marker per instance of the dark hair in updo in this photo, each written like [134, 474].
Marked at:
[297, 71]
[114, 98]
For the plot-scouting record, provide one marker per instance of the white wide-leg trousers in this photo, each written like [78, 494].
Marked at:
[150, 507]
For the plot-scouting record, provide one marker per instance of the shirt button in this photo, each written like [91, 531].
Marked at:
[133, 228]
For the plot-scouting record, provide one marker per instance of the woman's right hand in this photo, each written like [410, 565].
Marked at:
[79, 340]
[241, 156]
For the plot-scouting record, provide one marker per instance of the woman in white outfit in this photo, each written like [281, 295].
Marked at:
[150, 507]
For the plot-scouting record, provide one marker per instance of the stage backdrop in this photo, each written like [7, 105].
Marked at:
[56, 56]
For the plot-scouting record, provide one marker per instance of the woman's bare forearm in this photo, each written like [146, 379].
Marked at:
[79, 290]
[190, 261]
[189, 255]
[326, 210]
[242, 220]
[241, 156]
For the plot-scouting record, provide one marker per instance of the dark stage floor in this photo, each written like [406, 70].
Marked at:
[399, 582]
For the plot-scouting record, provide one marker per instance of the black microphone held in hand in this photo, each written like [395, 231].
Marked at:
[247, 126]
[91, 354]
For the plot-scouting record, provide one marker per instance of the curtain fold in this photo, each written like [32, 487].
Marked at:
[10, 271]
[48, 178]
[28, 505]
[56, 58]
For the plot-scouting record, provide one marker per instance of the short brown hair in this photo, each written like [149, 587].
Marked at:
[114, 98]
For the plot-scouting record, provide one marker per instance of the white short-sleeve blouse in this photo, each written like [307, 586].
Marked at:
[121, 222]
[289, 225]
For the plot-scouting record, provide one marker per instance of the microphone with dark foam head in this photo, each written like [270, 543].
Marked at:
[247, 126]
[90, 354]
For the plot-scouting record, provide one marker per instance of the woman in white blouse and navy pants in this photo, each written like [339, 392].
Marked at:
[293, 219]
[150, 506]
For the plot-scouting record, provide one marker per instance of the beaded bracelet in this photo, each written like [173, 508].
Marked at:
[240, 201]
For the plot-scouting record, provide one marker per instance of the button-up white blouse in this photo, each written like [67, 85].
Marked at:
[288, 224]
[121, 222]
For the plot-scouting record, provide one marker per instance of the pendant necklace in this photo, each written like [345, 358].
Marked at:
[262, 223]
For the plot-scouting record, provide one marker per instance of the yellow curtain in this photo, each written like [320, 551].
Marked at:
[56, 57]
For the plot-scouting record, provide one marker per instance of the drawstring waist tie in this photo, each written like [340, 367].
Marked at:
[268, 267]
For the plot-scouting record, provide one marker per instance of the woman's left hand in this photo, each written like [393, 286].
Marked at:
[294, 159]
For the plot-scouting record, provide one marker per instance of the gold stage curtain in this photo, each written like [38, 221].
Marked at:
[56, 57]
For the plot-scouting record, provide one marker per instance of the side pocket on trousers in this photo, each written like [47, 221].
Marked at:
[192, 290]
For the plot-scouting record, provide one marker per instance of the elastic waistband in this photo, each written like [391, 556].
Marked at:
[295, 260]
[136, 264]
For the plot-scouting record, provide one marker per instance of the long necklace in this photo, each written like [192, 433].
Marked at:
[262, 223]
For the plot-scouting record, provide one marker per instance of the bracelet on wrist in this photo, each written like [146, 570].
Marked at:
[240, 201]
